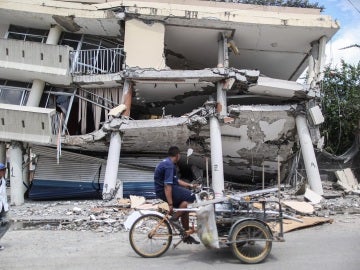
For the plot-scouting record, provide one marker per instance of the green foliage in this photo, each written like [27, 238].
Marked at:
[279, 3]
[341, 106]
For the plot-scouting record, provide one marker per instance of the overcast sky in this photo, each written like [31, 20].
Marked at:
[347, 13]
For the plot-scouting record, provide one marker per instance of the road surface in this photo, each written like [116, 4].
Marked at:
[329, 246]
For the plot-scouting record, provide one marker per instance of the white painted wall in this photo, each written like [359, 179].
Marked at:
[144, 44]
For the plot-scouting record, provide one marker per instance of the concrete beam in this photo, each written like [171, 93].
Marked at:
[192, 76]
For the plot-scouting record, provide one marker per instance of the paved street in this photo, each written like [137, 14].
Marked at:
[328, 246]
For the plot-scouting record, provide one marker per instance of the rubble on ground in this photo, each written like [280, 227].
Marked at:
[109, 217]
[85, 215]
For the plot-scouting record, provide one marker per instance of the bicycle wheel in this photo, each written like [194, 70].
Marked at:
[150, 236]
[250, 244]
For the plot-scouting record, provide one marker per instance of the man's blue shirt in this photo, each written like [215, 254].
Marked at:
[165, 173]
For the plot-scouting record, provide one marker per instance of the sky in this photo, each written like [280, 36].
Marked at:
[347, 13]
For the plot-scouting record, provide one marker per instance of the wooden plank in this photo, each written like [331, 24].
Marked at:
[291, 225]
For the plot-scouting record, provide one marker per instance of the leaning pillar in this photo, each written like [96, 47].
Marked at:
[16, 174]
[307, 150]
[38, 86]
[217, 167]
[112, 165]
[54, 35]
[36, 92]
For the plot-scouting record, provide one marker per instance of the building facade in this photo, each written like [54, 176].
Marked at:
[216, 77]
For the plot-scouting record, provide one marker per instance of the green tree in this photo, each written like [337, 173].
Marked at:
[341, 106]
[279, 3]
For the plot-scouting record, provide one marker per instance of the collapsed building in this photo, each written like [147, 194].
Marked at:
[92, 92]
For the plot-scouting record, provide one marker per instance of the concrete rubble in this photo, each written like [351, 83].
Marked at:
[109, 217]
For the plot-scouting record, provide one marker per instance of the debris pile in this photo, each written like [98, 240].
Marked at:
[94, 215]
[109, 217]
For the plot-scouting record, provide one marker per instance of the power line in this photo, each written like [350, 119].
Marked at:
[354, 6]
[351, 46]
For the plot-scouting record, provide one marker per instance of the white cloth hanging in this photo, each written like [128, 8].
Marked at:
[3, 197]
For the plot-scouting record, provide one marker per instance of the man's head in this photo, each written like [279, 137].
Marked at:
[2, 169]
[174, 153]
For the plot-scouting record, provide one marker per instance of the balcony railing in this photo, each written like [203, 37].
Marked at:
[98, 61]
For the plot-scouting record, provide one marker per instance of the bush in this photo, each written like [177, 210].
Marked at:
[341, 106]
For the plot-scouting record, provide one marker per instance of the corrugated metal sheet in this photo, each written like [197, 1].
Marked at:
[149, 162]
[78, 167]
[50, 152]
[80, 170]
[67, 170]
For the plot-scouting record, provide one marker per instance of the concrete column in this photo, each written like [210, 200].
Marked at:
[317, 61]
[16, 174]
[311, 71]
[217, 167]
[322, 58]
[221, 55]
[127, 97]
[26, 181]
[223, 61]
[307, 150]
[54, 35]
[221, 104]
[112, 166]
[3, 152]
[36, 92]
[38, 86]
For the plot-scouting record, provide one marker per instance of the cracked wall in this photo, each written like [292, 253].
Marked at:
[256, 138]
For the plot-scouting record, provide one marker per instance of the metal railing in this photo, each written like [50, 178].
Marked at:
[97, 61]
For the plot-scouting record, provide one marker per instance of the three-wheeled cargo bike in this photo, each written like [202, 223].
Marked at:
[247, 226]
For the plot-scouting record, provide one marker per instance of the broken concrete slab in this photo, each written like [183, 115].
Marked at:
[136, 201]
[312, 196]
[300, 207]
[347, 181]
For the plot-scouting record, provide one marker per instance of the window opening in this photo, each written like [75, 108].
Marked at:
[27, 34]
[15, 93]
